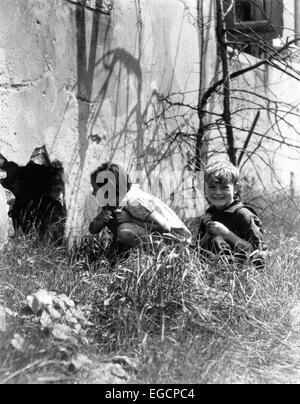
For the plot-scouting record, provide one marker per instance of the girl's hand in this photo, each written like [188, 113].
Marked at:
[123, 217]
[100, 221]
[104, 217]
[218, 229]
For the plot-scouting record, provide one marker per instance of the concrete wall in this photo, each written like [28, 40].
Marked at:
[84, 84]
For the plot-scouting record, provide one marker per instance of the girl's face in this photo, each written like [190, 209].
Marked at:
[219, 195]
[108, 197]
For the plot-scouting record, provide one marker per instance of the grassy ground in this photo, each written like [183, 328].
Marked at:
[181, 319]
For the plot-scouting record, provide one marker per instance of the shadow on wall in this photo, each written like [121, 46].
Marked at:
[89, 109]
[86, 64]
[116, 68]
[38, 188]
[137, 125]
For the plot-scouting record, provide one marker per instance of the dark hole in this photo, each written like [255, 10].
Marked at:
[243, 11]
[39, 191]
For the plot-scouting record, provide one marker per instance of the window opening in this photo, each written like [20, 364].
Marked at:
[250, 11]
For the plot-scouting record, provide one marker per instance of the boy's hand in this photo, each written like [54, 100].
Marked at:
[207, 219]
[218, 229]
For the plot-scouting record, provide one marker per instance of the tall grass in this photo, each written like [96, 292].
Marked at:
[185, 319]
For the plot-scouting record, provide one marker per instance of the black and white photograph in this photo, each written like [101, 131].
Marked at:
[149, 195]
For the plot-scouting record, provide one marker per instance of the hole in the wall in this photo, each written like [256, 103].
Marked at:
[243, 11]
[96, 139]
[39, 191]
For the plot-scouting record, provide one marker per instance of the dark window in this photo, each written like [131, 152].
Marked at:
[243, 11]
[253, 23]
[247, 11]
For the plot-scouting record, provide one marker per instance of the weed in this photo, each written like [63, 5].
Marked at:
[185, 319]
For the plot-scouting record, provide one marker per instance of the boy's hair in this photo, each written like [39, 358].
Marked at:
[116, 170]
[222, 172]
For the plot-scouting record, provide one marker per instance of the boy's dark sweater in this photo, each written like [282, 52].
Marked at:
[238, 219]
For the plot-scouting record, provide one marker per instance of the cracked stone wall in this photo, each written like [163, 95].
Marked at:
[83, 84]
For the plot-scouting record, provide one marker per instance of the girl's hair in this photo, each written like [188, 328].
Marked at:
[222, 172]
[119, 173]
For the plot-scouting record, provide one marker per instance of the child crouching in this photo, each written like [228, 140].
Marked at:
[132, 215]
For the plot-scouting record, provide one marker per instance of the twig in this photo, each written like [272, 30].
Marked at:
[38, 363]
[96, 9]
[248, 138]
[25, 369]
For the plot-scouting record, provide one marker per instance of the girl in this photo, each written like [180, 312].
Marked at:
[130, 213]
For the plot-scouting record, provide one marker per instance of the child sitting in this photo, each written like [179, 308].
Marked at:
[131, 214]
[228, 227]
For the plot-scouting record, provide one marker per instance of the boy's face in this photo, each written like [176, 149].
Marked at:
[219, 195]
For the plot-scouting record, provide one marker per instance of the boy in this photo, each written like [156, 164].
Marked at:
[228, 226]
[131, 214]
